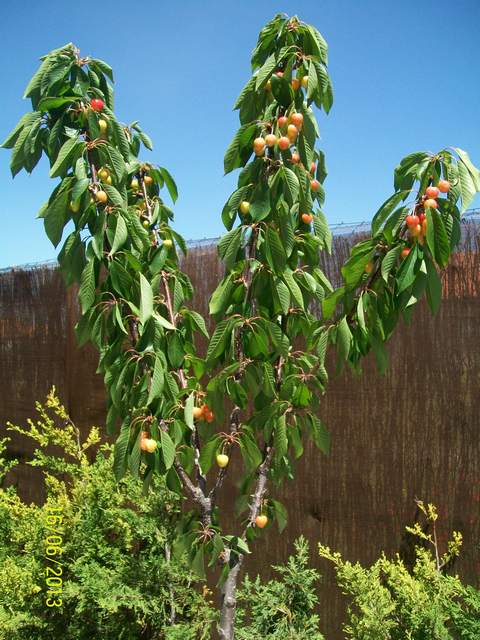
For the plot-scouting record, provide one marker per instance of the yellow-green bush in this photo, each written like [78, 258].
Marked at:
[118, 581]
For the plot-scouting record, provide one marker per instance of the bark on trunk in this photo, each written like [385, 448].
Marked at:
[228, 605]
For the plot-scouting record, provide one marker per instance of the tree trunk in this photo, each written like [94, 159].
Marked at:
[228, 605]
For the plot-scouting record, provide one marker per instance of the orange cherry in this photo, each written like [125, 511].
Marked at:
[292, 132]
[432, 192]
[297, 120]
[259, 146]
[271, 140]
[412, 221]
[261, 521]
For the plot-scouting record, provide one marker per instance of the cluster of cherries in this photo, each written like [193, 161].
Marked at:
[417, 222]
[289, 128]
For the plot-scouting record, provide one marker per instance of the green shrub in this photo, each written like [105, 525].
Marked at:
[283, 608]
[390, 602]
[118, 581]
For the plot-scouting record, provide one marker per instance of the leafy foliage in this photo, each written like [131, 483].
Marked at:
[118, 581]
[283, 607]
[388, 601]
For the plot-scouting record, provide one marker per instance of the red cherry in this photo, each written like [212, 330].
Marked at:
[405, 253]
[307, 218]
[412, 221]
[97, 104]
[432, 192]
[279, 74]
[282, 121]
[312, 167]
[422, 217]
[444, 186]
[295, 157]
[314, 184]
[430, 204]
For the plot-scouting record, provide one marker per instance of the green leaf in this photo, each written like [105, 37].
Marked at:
[266, 71]
[386, 209]
[28, 120]
[233, 156]
[121, 235]
[146, 300]
[170, 184]
[434, 287]
[163, 322]
[291, 181]
[280, 440]
[168, 449]
[104, 67]
[221, 296]
[320, 435]
[208, 453]
[114, 196]
[312, 82]
[120, 452]
[218, 339]
[36, 80]
[188, 411]
[198, 562]
[251, 454]
[228, 247]
[322, 231]
[390, 260]
[406, 273]
[147, 141]
[260, 205]
[344, 339]
[175, 350]
[472, 169]
[86, 293]
[79, 188]
[282, 91]
[467, 185]
[293, 287]
[118, 134]
[116, 162]
[47, 104]
[437, 238]
[198, 321]
[55, 218]
[157, 381]
[69, 150]
[330, 303]
[283, 295]
[280, 514]
[275, 251]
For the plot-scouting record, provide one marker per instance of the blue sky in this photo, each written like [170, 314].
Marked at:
[405, 77]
